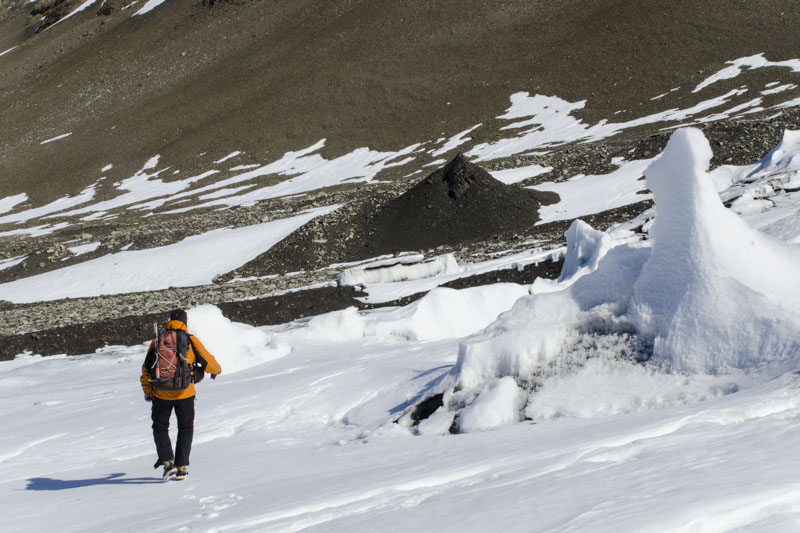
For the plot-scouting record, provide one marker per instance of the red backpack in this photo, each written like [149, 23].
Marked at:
[167, 364]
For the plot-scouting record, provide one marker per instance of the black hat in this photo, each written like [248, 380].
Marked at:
[179, 314]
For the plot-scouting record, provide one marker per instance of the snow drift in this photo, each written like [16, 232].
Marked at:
[236, 346]
[708, 293]
[441, 314]
[732, 297]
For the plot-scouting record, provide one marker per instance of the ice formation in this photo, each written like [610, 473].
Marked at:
[707, 293]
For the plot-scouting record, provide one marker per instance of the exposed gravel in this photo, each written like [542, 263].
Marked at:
[91, 332]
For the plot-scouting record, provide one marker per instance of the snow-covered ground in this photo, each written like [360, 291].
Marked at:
[304, 442]
[651, 388]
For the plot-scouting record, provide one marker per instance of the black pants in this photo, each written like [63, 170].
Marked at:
[184, 411]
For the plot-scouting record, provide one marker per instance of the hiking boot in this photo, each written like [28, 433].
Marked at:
[182, 472]
[169, 469]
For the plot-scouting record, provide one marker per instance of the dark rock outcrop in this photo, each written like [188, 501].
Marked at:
[459, 203]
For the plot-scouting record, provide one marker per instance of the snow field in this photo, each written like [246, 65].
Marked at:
[306, 441]
[298, 432]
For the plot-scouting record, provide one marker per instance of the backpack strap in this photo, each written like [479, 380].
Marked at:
[150, 360]
[200, 364]
[183, 345]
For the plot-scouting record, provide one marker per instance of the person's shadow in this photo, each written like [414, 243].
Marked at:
[47, 483]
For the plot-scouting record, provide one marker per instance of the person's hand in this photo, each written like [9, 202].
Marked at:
[213, 376]
[148, 397]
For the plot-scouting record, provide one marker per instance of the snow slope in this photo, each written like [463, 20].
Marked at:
[304, 441]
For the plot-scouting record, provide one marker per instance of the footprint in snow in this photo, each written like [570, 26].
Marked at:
[48, 403]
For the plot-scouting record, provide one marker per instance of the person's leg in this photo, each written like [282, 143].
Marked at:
[184, 409]
[162, 409]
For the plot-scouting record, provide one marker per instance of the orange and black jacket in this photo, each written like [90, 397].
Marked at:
[195, 348]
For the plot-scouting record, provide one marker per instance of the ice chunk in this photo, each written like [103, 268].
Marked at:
[585, 247]
[715, 292]
[499, 405]
[401, 271]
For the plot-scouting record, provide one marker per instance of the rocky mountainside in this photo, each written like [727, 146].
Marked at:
[128, 126]
[266, 77]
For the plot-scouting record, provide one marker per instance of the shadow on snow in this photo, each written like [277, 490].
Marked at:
[47, 483]
[425, 391]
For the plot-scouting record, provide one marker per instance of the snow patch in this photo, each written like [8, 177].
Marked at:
[12, 261]
[82, 7]
[148, 6]
[84, 248]
[752, 62]
[36, 231]
[515, 175]
[194, 261]
[586, 195]
[455, 141]
[57, 137]
[10, 202]
[779, 89]
[311, 171]
[229, 156]
[549, 122]
[53, 207]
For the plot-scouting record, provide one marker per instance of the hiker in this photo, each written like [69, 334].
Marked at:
[182, 361]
